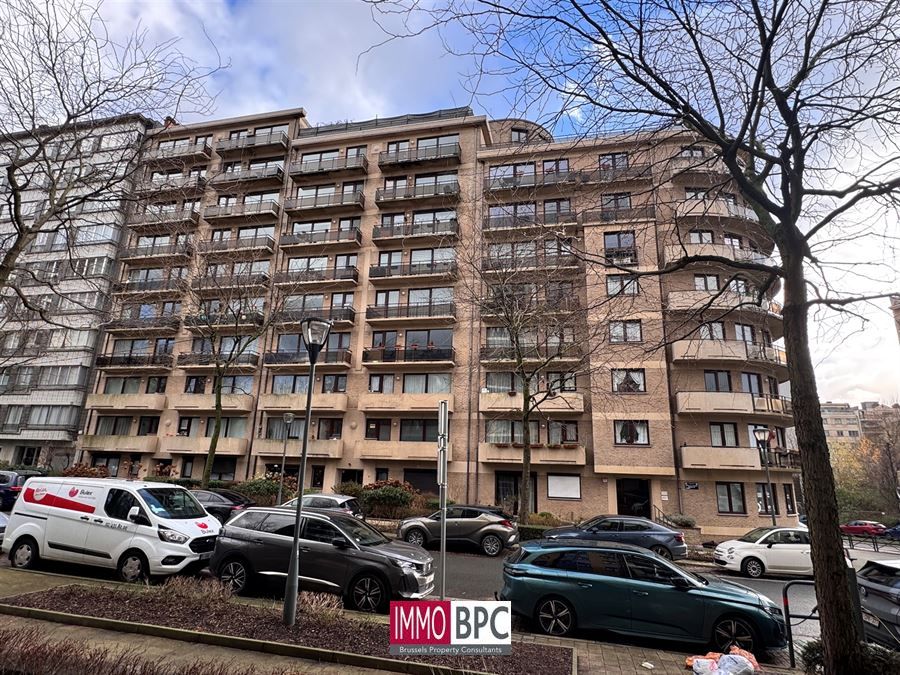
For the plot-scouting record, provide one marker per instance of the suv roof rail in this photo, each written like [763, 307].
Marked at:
[588, 543]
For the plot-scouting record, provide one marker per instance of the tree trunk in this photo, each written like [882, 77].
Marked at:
[840, 636]
[217, 428]
[525, 485]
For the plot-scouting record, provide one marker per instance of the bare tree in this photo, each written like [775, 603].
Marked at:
[799, 101]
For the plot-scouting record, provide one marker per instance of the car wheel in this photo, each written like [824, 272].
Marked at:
[491, 545]
[236, 574]
[753, 568]
[24, 555]
[662, 552]
[133, 567]
[415, 536]
[368, 594]
[733, 631]
[555, 616]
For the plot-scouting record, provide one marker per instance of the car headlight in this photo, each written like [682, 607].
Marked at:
[775, 610]
[172, 536]
[406, 565]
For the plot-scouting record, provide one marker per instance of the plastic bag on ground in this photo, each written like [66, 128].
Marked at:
[734, 664]
[705, 666]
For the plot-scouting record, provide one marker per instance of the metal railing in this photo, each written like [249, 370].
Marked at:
[137, 323]
[326, 200]
[417, 191]
[614, 213]
[326, 237]
[412, 269]
[413, 229]
[267, 208]
[427, 153]
[224, 318]
[327, 356]
[250, 173]
[150, 285]
[164, 217]
[201, 148]
[179, 248]
[314, 166]
[308, 276]
[408, 354]
[412, 311]
[335, 314]
[136, 360]
[229, 281]
[172, 182]
[210, 359]
[513, 221]
[254, 141]
[510, 353]
[236, 244]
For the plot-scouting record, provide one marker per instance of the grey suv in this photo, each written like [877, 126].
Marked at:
[338, 554]
[487, 527]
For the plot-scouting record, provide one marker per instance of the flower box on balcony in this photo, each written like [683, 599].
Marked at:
[501, 445]
[570, 446]
[554, 446]
[518, 445]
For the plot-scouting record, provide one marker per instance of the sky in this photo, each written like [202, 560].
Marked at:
[321, 55]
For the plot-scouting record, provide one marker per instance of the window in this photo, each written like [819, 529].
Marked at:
[321, 531]
[381, 473]
[625, 331]
[717, 380]
[418, 430]
[692, 151]
[156, 384]
[562, 381]
[519, 135]
[275, 427]
[613, 202]
[646, 569]
[744, 332]
[634, 526]
[381, 383]
[290, 384]
[632, 432]
[113, 425]
[111, 462]
[223, 468]
[730, 498]
[122, 385]
[723, 434]
[426, 383]
[562, 431]
[378, 429]
[751, 383]
[628, 380]
[555, 166]
[713, 330]
[317, 481]
[237, 384]
[334, 384]
[510, 431]
[232, 427]
[706, 282]
[789, 504]
[148, 426]
[765, 499]
[561, 486]
[330, 428]
[621, 284]
[614, 160]
[119, 503]
[195, 384]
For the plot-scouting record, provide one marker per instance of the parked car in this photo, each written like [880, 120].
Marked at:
[869, 528]
[222, 503]
[563, 585]
[3, 522]
[879, 595]
[343, 503]
[137, 528]
[633, 530]
[339, 554]
[892, 532]
[781, 550]
[487, 527]
[11, 483]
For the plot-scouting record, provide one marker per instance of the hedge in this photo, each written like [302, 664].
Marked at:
[530, 532]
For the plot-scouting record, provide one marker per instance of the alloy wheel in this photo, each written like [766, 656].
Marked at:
[415, 537]
[235, 575]
[662, 552]
[733, 632]
[555, 617]
[491, 545]
[367, 594]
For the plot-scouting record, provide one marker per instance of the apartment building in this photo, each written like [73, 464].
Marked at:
[258, 222]
[880, 423]
[46, 361]
[841, 421]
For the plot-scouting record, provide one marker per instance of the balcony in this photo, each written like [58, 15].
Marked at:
[442, 312]
[267, 175]
[673, 253]
[168, 184]
[335, 166]
[736, 459]
[526, 223]
[197, 445]
[336, 357]
[336, 201]
[442, 230]
[321, 239]
[616, 174]
[339, 316]
[257, 211]
[207, 402]
[321, 403]
[318, 449]
[277, 140]
[186, 152]
[126, 401]
[132, 444]
[209, 360]
[733, 403]
[430, 356]
[390, 273]
[181, 250]
[394, 404]
[738, 351]
[448, 154]
[129, 361]
[531, 181]
[621, 256]
[511, 264]
[715, 208]
[618, 214]
[147, 324]
[689, 167]
[572, 454]
[564, 402]
[448, 192]
[219, 319]
[400, 451]
[335, 276]
[263, 243]
[156, 220]
[508, 353]
[696, 301]
[214, 285]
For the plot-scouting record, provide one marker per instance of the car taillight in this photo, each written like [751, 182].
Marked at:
[506, 523]
[15, 488]
[679, 537]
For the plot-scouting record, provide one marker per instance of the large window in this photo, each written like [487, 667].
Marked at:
[625, 331]
[632, 432]
[723, 434]
[789, 504]
[419, 430]
[510, 431]
[237, 384]
[621, 284]
[232, 427]
[275, 428]
[378, 429]
[765, 499]
[113, 425]
[290, 384]
[730, 498]
[122, 385]
[561, 486]
[330, 428]
[562, 431]
[426, 383]
[501, 382]
[717, 380]
[629, 380]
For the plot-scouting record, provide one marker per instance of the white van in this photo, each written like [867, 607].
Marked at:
[138, 528]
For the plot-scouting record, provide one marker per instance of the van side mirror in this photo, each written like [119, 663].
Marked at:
[136, 517]
[681, 583]
[339, 542]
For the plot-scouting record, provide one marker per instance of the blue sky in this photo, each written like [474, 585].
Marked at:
[316, 54]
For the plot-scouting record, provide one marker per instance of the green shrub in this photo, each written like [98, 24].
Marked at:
[875, 660]
[545, 519]
[529, 532]
[386, 502]
[349, 489]
[682, 520]
[432, 504]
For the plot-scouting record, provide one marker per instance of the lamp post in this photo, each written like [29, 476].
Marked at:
[762, 441]
[288, 421]
[315, 335]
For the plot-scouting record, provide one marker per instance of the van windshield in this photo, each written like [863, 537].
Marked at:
[171, 503]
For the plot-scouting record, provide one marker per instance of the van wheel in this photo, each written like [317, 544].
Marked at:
[491, 545]
[24, 555]
[368, 593]
[133, 567]
[236, 574]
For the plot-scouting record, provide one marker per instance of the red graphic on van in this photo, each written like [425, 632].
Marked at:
[202, 526]
[73, 492]
[48, 499]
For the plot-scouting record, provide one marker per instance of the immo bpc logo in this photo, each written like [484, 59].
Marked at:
[450, 627]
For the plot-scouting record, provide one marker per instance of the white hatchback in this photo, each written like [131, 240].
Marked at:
[781, 550]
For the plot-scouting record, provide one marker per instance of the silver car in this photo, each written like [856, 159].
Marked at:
[487, 527]
[342, 503]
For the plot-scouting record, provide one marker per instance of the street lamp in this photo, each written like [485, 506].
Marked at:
[288, 421]
[762, 441]
[315, 335]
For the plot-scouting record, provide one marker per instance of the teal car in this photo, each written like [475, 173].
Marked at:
[564, 586]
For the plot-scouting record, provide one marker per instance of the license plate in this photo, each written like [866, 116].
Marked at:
[429, 580]
[870, 619]
[206, 556]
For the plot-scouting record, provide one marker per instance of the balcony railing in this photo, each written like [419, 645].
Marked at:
[236, 244]
[612, 214]
[198, 149]
[530, 180]
[517, 263]
[229, 281]
[727, 350]
[327, 237]
[209, 359]
[248, 174]
[135, 360]
[318, 166]
[412, 269]
[412, 311]
[309, 276]
[417, 192]
[172, 183]
[335, 315]
[331, 200]
[509, 353]
[181, 248]
[151, 218]
[151, 285]
[408, 355]
[224, 318]
[513, 221]
[170, 322]
[612, 175]
[446, 151]
[413, 229]
[267, 208]
[622, 256]
[340, 356]
[255, 141]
